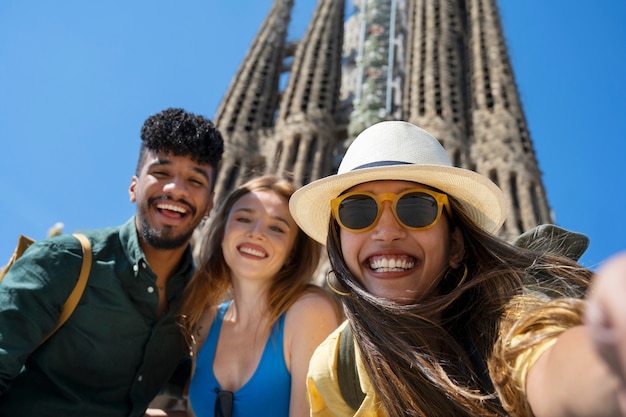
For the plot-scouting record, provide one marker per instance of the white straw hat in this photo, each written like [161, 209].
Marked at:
[396, 150]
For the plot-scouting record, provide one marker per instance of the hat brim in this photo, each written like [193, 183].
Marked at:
[482, 200]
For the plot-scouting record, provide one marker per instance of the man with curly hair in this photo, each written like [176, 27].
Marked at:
[122, 343]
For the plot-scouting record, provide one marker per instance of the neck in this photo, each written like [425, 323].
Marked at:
[163, 262]
[249, 300]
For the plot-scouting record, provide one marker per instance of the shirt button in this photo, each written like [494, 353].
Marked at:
[140, 378]
[143, 264]
[150, 290]
[135, 268]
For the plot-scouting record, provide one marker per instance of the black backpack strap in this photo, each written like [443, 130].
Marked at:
[347, 374]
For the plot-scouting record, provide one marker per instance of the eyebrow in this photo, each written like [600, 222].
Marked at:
[277, 218]
[196, 168]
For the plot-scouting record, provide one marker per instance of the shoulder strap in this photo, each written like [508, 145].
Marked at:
[23, 242]
[347, 373]
[72, 300]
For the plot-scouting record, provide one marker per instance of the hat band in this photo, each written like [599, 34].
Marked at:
[380, 164]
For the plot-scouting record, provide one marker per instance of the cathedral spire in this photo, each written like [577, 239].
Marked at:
[305, 135]
[436, 89]
[375, 56]
[249, 105]
[501, 146]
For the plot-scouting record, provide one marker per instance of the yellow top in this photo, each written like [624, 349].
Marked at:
[323, 386]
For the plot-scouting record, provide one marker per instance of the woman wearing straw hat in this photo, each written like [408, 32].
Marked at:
[449, 320]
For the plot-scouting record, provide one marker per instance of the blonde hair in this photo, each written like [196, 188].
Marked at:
[531, 325]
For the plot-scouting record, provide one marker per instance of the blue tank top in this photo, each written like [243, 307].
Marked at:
[267, 393]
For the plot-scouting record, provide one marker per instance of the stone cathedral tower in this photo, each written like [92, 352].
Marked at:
[292, 107]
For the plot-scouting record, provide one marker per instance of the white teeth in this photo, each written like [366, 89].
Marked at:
[171, 207]
[252, 252]
[391, 264]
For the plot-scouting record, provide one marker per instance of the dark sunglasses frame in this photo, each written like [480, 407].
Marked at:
[440, 198]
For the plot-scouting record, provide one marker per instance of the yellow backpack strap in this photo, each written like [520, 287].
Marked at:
[72, 300]
[23, 242]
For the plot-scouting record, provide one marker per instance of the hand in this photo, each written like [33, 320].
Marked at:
[605, 317]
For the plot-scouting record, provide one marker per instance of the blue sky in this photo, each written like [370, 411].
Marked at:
[80, 77]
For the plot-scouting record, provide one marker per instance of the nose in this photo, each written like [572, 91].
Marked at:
[256, 230]
[175, 187]
[388, 228]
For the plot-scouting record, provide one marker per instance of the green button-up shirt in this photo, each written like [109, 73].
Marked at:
[113, 355]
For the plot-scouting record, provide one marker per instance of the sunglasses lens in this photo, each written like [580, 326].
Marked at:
[358, 211]
[417, 209]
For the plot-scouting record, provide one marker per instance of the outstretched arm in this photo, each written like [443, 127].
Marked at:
[583, 373]
[606, 319]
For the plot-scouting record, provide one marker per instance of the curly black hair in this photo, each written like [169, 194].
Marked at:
[181, 133]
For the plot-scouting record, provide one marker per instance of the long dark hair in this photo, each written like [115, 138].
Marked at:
[425, 368]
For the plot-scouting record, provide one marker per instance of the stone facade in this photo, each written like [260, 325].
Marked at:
[293, 107]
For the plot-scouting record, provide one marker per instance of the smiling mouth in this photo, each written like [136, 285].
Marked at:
[391, 263]
[171, 209]
[252, 252]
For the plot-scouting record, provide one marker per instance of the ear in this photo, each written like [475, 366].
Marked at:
[131, 190]
[457, 248]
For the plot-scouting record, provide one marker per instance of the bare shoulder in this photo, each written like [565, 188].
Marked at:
[313, 307]
[309, 320]
[314, 301]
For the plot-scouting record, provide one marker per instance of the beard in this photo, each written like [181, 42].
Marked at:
[163, 237]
